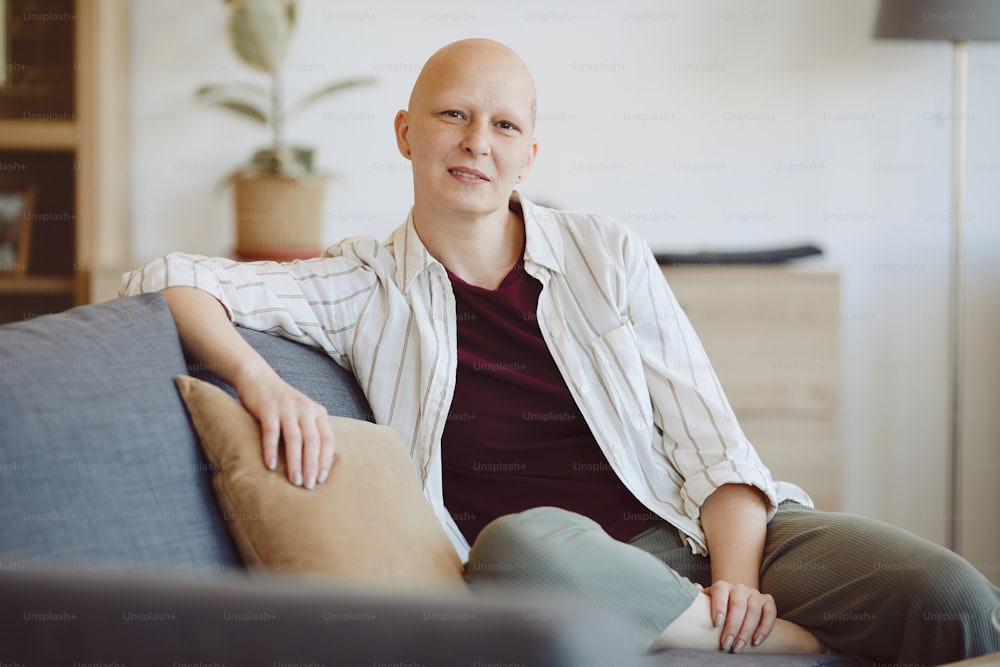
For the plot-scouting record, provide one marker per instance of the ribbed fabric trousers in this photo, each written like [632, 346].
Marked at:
[863, 587]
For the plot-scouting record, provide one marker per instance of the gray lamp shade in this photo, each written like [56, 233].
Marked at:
[951, 20]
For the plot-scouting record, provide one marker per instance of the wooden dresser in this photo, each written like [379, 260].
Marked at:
[773, 336]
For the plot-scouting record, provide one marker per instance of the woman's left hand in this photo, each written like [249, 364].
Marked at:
[745, 614]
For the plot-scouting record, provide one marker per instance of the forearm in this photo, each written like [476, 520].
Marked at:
[734, 519]
[208, 336]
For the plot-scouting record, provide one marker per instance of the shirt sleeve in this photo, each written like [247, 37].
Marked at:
[701, 437]
[317, 302]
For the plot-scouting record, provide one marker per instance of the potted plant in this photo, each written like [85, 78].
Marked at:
[278, 196]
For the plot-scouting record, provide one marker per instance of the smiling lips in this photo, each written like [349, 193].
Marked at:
[467, 175]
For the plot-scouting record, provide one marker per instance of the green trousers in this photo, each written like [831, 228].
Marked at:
[863, 587]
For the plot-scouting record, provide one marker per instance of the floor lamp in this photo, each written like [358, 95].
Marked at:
[958, 22]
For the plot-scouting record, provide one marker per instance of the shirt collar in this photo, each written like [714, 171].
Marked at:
[542, 244]
[542, 240]
[412, 257]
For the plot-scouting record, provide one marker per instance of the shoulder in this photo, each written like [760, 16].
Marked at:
[364, 253]
[591, 235]
[363, 248]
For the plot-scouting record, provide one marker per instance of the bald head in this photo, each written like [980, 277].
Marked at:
[477, 59]
[468, 132]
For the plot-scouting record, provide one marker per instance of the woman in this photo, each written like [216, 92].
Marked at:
[567, 427]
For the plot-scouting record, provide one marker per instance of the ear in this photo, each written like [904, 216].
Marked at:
[523, 174]
[402, 127]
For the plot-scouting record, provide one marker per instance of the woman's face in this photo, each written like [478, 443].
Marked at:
[469, 130]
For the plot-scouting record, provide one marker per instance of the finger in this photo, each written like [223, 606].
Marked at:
[310, 451]
[767, 619]
[327, 447]
[270, 430]
[735, 613]
[719, 594]
[292, 436]
[750, 622]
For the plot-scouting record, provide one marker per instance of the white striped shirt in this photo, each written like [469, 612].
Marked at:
[626, 350]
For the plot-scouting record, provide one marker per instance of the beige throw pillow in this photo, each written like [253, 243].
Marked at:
[368, 523]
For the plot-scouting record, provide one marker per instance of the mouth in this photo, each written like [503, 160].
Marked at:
[465, 173]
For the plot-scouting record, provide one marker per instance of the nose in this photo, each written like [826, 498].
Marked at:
[475, 140]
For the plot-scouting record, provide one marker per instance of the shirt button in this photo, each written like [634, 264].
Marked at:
[556, 332]
[584, 388]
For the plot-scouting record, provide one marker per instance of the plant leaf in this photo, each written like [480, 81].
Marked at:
[251, 92]
[244, 109]
[328, 90]
[260, 31]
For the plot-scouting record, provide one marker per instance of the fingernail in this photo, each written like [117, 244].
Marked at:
[739, 646]
[758, 640]
[728, 644]
[322, 476]
[310, 482]
[298, 479]
[272, 463]
[718, 619]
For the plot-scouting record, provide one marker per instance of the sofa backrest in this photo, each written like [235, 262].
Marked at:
[308, 369]
[99, 464]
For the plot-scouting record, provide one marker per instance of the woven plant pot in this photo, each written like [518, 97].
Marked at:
[278, 217]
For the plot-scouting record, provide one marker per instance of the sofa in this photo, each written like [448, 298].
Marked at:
[113, 550]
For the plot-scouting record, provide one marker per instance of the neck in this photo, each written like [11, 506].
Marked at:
[479, 250]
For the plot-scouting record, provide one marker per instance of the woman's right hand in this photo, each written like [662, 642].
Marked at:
[285, 414]
[289, 416]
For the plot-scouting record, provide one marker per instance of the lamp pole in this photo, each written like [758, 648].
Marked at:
[957, 22]
[956, 299]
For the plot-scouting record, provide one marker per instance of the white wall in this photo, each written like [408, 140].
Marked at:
[709, 123]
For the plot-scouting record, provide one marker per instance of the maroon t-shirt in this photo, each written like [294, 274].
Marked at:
[515, 438]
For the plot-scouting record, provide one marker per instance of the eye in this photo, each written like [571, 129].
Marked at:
[507, 125]
[452, 113]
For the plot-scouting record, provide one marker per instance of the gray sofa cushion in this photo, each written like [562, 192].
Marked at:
[62, 618]
[694, 658]
[99, 465]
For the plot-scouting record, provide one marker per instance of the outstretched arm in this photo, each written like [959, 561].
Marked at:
[208, 337]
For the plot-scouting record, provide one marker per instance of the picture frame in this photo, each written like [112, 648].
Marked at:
[17, 207]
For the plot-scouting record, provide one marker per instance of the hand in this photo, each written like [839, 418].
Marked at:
[299, 421]
[746, 615]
